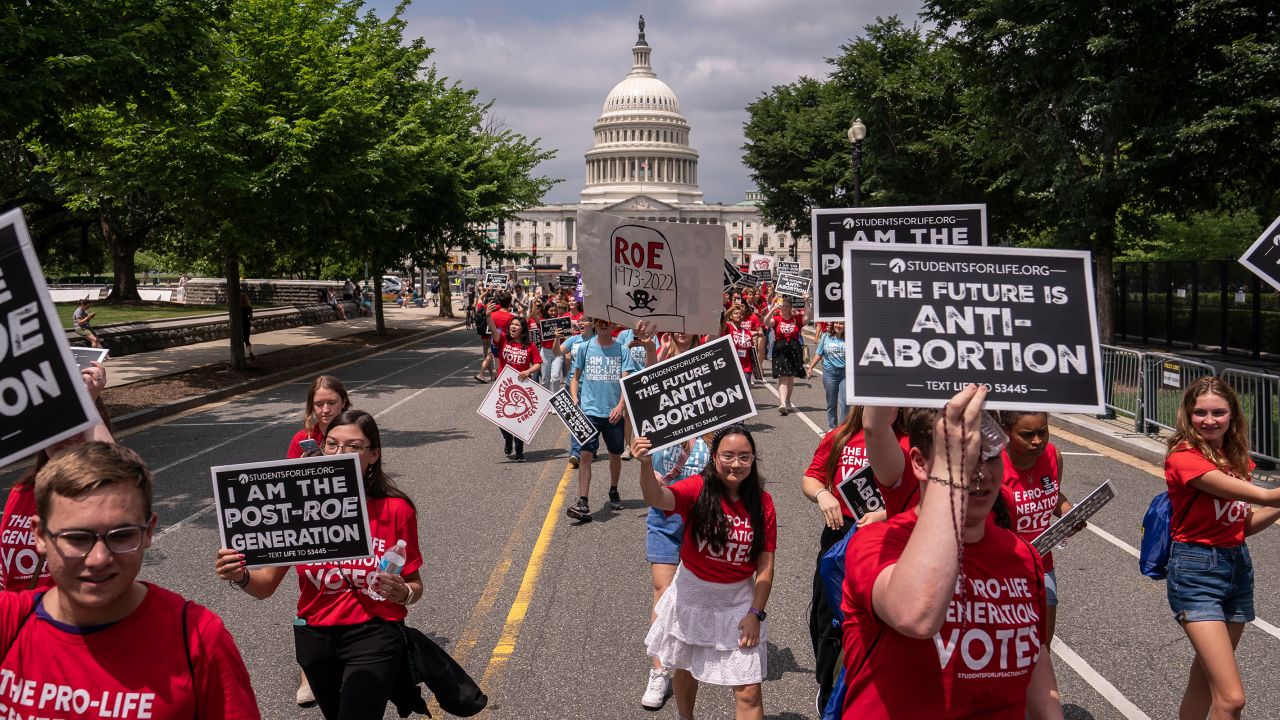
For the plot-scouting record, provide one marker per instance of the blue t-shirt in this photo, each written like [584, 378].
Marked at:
[832, 351]
[638, 353]
[664, 461]
[601, 368]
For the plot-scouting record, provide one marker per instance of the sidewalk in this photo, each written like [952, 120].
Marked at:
[157, 363]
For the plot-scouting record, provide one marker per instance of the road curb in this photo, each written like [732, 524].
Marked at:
[142, 417]
[1143, 447]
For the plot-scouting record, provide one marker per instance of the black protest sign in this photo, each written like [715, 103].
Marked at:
[792, 285]
[958, 225]
[1021, 321]
[567, 280]
[535, 334]
[749, 281]
[1080, 512]
[860, 492]
[695, 392]
[42, 396]
[496, 279]
[286, 512]
[574, 419]
[86, 356]
[1263, 256]
[787, 266]
[732, 275]
[554, 325]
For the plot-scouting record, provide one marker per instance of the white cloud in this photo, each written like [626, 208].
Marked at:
[548, 67]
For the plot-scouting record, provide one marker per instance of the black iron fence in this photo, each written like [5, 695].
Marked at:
[1214, 305]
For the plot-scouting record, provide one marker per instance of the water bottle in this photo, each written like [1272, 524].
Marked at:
[392, 561]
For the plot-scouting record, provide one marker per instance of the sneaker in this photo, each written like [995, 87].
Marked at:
[658, 690]
[626, 453]
[574, 461]
[304, 697]
[782, 409]
[519, 457]
[580, 511]
[615, 499]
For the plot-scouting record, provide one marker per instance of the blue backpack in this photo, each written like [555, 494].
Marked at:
[831, 570]
[1157, 536]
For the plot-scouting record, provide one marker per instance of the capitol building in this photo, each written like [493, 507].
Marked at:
[643, 166]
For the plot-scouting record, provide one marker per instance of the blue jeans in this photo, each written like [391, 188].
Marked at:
[1210, 583]
[837, 407]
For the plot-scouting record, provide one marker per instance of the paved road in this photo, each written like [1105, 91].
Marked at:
[552, 615]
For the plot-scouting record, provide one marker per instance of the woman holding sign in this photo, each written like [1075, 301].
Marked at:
[709, 624]
[513, 348]
[787, 324]
[1210, 581]
[350, 644]
[743, 337]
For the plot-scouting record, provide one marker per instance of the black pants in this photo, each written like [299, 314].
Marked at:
[351, 668]
[519, 444]
[827, 640]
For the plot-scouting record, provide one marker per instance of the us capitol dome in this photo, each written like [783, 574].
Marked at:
[641, 165]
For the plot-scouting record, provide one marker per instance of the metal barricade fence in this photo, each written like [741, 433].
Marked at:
[1164, 377]
[1122, 382]
[1259, 395]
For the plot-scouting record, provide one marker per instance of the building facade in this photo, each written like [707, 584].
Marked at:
[642, 166]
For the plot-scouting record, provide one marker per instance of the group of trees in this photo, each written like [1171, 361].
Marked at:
[1120, 127]
[259, 136]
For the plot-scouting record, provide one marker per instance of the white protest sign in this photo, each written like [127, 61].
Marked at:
[635, 270]
[515, 405]
[761, 266]
[42, 396]
[1263, 256]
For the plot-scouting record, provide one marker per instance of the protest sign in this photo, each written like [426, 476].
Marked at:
[515, 405]
[793, 285]
[285, 512]
[496, 279]
[86, 356]
[960, 225]
[535, 334]
[635, 270]
[1263, 256]
[859, 491]
[567, 280]
[695, 392]
[551, 326]
[1021, 321]
[574, 419]
[42, 396]
[732, 275]
[787, 266]
[1080, 512]
[761, 266]
[748, 281]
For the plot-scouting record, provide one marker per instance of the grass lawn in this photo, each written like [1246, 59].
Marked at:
[107, 314]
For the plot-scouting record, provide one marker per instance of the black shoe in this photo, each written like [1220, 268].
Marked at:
[580, 511]
[615, 500]
[519, 457]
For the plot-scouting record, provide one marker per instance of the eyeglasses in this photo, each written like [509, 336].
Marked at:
[332, 447]
[79, 543]
[727, 458]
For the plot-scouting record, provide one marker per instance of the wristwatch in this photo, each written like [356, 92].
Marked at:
[760, 614]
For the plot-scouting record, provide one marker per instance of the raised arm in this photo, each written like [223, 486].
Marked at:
[883, 451]
[655, 495]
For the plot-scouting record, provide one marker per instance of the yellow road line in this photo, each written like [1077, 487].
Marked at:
[506, 646]
[1112, 453]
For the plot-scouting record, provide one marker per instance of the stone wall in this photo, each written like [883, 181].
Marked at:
[213, 291]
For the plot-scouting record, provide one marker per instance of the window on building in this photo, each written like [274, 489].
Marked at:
[548, 224]
[546, 239]
[568, 260]
[517, 240]
[765, 240]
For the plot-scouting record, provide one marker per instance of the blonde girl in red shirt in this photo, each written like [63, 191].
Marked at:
[1210, 581]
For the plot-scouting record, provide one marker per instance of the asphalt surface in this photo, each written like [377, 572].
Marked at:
[551, 615]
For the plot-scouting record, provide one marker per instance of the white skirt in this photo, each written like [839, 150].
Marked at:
[696, 629]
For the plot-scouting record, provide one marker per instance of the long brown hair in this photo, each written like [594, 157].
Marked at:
[851, 426]
[1233, 459]
[706, 517]
[324, 382]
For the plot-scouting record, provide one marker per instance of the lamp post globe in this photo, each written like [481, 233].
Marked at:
[857, 133]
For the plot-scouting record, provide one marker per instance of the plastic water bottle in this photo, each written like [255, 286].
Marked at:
[392, 561]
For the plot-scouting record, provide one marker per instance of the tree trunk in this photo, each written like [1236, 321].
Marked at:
[232, 271]
[446, 295]
[379, 321]
[124, 285]
[1105, 285]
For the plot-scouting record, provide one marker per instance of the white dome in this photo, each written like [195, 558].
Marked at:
[641, 93]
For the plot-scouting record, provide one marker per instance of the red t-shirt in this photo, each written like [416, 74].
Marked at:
[1211, 520]
[752, 323]
[501, 319]
[733, 563]
[295, 445]
[743, 344]
[333, 593]
[904, 494]
[853, 457]
[1032, 495]
[135, 668]
[519, 357]
[788, 328]
[18, 558]
[976, 669]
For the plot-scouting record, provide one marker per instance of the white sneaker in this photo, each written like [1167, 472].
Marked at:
[658, 690]
[304, 697]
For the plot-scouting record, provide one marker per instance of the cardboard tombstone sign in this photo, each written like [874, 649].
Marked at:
[635, 270]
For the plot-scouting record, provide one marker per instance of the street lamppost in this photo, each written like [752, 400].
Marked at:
[857, 133]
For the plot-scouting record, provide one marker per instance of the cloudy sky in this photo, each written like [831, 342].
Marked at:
[548, 65]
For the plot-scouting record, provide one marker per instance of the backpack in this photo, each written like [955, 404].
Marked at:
[1157, 536]
[831, 570]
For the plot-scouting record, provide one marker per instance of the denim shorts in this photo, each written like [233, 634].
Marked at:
[663, 537]
[1210, 583]
[1051, 588]
[611, 432]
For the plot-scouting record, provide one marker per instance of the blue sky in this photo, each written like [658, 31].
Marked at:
[548, 65]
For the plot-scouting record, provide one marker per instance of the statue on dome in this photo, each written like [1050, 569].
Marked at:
[642, 24]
